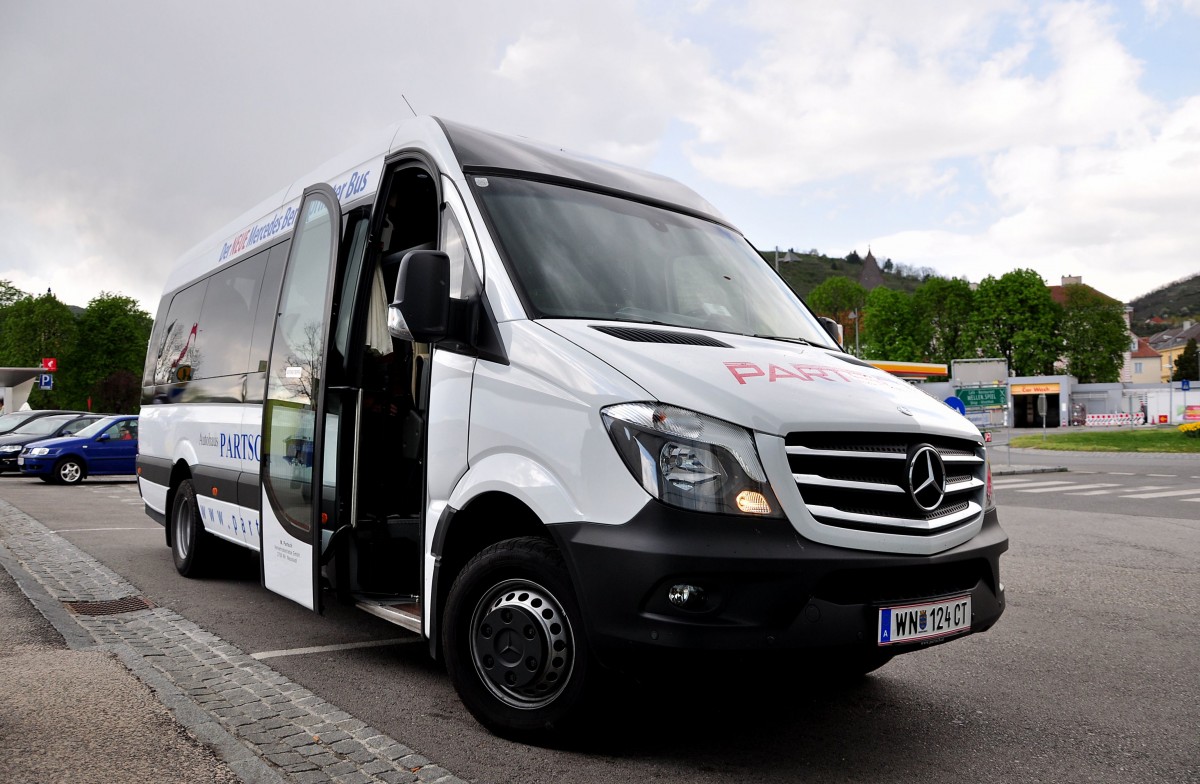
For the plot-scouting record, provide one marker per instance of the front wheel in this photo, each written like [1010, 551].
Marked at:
[68, 471]
[188, 538]
[514, 639]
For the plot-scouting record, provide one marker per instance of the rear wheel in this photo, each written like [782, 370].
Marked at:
[189, 541]
[68, 471]
[514, 640]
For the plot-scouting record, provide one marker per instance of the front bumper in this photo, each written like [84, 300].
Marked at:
[764, 586]
[38, 466]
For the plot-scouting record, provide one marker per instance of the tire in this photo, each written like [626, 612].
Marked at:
[189, 541]
[68, 471]
[514, 640]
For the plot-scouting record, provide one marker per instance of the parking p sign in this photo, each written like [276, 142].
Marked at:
[46, 381]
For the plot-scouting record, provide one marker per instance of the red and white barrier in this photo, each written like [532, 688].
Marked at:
[1114, 420]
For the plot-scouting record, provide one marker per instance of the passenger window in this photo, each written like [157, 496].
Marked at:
[178, 357]
[264, 321]
[227, 318]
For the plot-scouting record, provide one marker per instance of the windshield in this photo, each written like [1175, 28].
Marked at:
[10, 422]
[577, 254]
[42, 425]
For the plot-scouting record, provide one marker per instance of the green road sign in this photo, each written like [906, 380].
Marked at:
[983, 397]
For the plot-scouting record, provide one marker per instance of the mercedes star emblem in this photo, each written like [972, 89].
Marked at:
[926, 478]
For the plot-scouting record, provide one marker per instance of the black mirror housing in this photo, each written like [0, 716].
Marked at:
[831, 327]
[420, 309]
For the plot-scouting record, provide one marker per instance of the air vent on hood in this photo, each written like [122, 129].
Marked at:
[660, 336]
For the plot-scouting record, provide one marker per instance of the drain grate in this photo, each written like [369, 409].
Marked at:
[110, 606]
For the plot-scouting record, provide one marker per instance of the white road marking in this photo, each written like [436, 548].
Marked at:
[1073, 487]
[1032, 484]
[1169, 476]
[1168, 494]
[342, 647]
[83, 530]
[1122, 473]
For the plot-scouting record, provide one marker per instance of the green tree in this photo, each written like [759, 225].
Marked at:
[1016, 318]
[1093, 335]
[10, 293]
[35, 328]
[837, 298]
[891, 328]
[111, 347]
[943, 310]
[1188, 365]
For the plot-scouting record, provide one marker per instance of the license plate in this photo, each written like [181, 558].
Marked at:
[20, 461]
[912, 622]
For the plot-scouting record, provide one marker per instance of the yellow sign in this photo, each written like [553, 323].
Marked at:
[1035, 389]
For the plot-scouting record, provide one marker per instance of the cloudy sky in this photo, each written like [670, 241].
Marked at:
[971, 138]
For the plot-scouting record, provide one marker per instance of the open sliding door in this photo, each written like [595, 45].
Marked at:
[296, 432]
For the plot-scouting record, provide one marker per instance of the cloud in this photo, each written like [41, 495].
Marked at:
[867, 87]
[1115, 214]
[134, 130]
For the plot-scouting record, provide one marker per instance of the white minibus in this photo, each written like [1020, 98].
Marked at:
[558, 417]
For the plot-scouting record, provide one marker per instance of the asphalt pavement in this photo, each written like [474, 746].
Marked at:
[79, 704]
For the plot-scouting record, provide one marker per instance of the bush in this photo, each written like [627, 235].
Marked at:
[1191, 430]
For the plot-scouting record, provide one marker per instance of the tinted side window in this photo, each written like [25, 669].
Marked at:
[177, 356]
[227, 318]
[268, 301]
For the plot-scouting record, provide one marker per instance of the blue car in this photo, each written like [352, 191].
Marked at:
[108, 446]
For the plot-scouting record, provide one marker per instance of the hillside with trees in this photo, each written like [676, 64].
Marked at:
[100, 349]
[1171, 304]
[804, 271]
[932, 319]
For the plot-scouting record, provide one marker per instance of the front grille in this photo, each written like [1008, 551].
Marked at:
[861, 481]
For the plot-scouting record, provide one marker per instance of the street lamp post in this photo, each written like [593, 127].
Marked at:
[854, 318]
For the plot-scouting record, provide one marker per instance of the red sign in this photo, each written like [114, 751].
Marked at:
[49, 363]
[987, 437]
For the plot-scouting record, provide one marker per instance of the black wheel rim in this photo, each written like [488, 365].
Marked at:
[522, 645]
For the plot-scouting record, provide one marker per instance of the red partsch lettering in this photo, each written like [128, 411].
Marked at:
[744, 370]
[777, 372]
[823, 373]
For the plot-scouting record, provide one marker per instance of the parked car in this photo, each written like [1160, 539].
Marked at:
[39, 429]
[107, 446]
[11, 421]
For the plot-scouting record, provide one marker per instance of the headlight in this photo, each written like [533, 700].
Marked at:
[690, 460]
[9, 448]
[39, 451]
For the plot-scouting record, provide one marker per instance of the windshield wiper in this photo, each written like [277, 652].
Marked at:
[801, 341]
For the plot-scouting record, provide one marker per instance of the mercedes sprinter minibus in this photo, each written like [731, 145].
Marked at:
[557, 416]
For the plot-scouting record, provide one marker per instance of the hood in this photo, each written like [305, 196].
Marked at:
[58, 441]
[23, 438]
[771, 386]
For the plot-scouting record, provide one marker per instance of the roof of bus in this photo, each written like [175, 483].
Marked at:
[454, 148]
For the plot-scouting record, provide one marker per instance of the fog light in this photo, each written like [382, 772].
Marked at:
[684, 595]
[753, 502]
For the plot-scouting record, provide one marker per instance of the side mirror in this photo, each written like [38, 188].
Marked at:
[102, 437]
[420, 309]
[833, 328]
